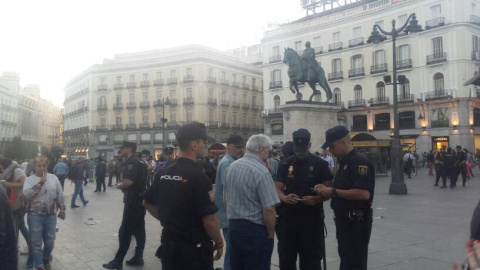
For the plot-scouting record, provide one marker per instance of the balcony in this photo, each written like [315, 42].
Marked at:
[211, 79]
[356, 72]
[174, 124]
[355, 128]
[158, 103]
[101, 107]
[236, 84]
[172, 102]
[245, 86]
[254, 88]
[275, 84]
[410, 98]
[118, 86]
[404, 64]
[145, 84]
[381, 101]
[475, 56]
[375, 69]
[225, 82]
[224, 103]
[335, 46]
[171, 81]
[158, 125]
[357, 103]
[234, 125]
[212, 101]
[144, 125]
[275, 59]
[145, 104]
[158, 82]
[318, 50]
[436, 58]
[131, 126]
[245, 106]
[355, 42]
[475, 19]
[335, 76]
[235, 104]
[117, 127]
[438, 22]
[131, 85]
[439, 94]
[101, 128]
[255, 107]
[272, 112]
[118, 106]
[188, 79]
[212, 124]
[188, 101]
[131, 105]
[102, 87]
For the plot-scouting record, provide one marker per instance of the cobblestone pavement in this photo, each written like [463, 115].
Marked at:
[425, 229]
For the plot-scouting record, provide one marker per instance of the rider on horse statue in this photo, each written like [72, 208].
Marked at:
[310, 64]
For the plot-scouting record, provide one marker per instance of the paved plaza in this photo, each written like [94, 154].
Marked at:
[425, 229]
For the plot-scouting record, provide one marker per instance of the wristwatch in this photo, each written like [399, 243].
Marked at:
[334, 193]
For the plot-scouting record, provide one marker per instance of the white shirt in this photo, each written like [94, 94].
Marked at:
[329, 159]
[407, 156]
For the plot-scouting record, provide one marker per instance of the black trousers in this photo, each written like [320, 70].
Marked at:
[438, 172]
[110, 178]
[133, 223]
[450, 172]
[462, 170]
[61, 178]
[183, 256]
[301, 233]
[100, 182]
[353, 238]
[117, 176]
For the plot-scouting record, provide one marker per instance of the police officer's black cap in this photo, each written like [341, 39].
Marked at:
[130, 145]
[334, 134]
[192, 131]
[301, 139]
[287, 149]
[236, 140]
[168, 150]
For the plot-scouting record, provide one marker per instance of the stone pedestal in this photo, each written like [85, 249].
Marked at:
[316, 117]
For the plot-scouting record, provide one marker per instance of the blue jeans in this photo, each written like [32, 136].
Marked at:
[19, 224]
[226, 261]
[42, 231]
[250, 247]
[78, 191]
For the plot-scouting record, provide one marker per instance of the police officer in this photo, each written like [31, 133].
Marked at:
[352, 196]
[169, 157]
[133, 221]
[448, 169]
[461, 164]
[301, 224]
[181, 197]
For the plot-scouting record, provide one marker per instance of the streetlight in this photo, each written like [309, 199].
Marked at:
[164, 121]
[398, 185]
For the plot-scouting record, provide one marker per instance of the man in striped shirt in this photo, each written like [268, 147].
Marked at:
[250, 197]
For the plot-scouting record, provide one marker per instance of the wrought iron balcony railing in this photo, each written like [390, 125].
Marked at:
[404, 64]
[440, 21]
[188, 79]
[381, 68]
[171, 81]
[334, 76]
[357, 72]
[355, 42]
[102, 87]
[357, 103]
[379, 101]
[335, 46]
[436, 58]
[275, 84]
[275, 59]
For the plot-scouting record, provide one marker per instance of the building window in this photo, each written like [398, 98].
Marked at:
[189, 72]
[381, 91]
[475, 47]
[437, 44]
[254, 119]
[336, 37]
[224, 76]
[476, 117]
[234, 118]
[402, 19]
[359, 123]
[244, 98]
[357, 32]
[357, 90]
[159, 116]
[118, 98]
[436, 11]
[382, 121]
[438, 83]
[145, 96]
[254, 100]
[406, 120]
[357, 61]
[158, 94]
[275, 50]
[189, 115]
[379, 23]
[210, 72]
[103, 119]
[276, 77]
[244, 80]
[234, 77]
[234, 96]
[379, 57]
[132, 78]
[403, 53]
[277, 129]
[188, 93]
[254, 82]
[145, 76]
[118, 118]
[131, 97]
[244, 118]
[173, 94]
[337, 65]
[276, 102]
[224, 95]
[405, 90]
[145, 116]
[337, 96]
[224, 116]
[119, 79]
[211, 115]
[103, 80]
[298, 46]
[131, 117]
[173, 116]
[211, 93]
[172, 74]
[159, 75]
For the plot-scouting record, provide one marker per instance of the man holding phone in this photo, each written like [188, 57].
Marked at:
[301, 223]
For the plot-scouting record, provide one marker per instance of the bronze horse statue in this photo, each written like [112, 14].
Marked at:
[296, 73]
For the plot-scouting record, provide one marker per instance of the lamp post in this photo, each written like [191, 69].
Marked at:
[164, 121]
[397, 186]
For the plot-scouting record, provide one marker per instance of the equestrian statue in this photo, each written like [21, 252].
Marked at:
[305, 70]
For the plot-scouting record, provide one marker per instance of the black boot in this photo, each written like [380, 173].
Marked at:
[137, 259]
[113, 265]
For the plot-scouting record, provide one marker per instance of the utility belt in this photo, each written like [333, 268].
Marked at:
[171, 249]
[355, 214]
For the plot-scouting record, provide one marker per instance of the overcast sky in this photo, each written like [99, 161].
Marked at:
[50, 41]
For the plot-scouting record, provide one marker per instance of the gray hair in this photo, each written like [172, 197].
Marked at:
[256, 141]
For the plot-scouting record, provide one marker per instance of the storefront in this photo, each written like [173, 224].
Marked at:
[217, 149]
[409, 142]
[439, 142]
[378, 151]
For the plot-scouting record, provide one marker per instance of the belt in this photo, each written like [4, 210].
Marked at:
[354, 214]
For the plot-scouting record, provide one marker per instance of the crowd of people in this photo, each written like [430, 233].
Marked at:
[235, 202]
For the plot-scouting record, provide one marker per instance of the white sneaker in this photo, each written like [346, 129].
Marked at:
[24, 251]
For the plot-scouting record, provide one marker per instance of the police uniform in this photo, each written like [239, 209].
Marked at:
[448, 168]
[353, 218]
[461, 168]
[301, 227]
[183, 195]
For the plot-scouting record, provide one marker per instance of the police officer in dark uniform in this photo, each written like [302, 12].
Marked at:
[169, 158]
[352, 196]
[461, 164]
[181, 197]
[301, 226]
[133, 221]
[448, 169]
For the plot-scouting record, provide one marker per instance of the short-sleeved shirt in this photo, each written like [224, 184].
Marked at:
[329, 159]
[17, 174]
[219, 182]
[461, 156]
[249, 188]
[355, 172]
[448, 159]
[183, 195]
[60, 168]
[133, 170]
[301, 176]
